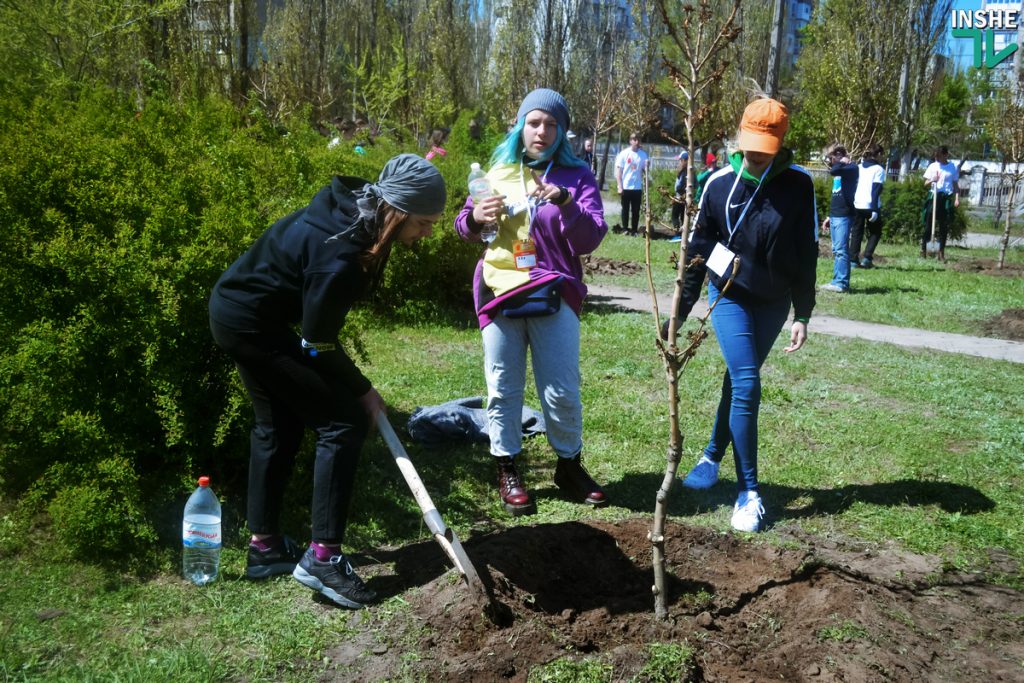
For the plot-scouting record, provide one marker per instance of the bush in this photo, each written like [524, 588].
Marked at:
[903, 206]
[661, 181]
[117, 226]
[822, 195]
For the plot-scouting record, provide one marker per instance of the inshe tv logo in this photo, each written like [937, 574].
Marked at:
[982, 25]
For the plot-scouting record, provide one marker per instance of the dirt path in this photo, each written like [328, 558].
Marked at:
[983, 347]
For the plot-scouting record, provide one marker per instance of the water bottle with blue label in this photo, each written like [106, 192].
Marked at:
[200, 535]
[480, 189]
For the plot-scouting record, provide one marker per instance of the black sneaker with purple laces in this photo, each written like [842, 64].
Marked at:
[334, 579]
[279, 558]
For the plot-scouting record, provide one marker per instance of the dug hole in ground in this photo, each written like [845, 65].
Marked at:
[811, 610]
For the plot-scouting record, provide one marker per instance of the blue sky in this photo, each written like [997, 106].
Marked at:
[961, 50]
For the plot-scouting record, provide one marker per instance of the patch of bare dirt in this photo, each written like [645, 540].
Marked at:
[598, 265]
[816, 610]
[1007, 325]
[985, 266]
[825, 247]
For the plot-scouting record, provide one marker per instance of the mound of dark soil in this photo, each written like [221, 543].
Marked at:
[821, 611]
[1008, 325]
[598, 265]
[986, 266]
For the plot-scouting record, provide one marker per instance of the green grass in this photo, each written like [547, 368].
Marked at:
[842, 632]
[903, 289]
[857, 438]
[983, 221]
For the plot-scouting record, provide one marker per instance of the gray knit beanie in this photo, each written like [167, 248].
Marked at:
[547, 100]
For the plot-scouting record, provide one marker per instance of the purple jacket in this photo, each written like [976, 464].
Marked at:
[562, 234]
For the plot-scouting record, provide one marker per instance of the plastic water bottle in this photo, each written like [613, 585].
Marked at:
[480, 189]
[200, 535]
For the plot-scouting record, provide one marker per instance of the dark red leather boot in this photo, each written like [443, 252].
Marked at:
[510, 488]
[576, 483]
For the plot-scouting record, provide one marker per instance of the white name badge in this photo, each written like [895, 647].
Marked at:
[721, 260]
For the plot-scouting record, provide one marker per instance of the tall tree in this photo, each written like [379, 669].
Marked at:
[1006, 127]
[849, 71]
[925, 30]
[771, 81]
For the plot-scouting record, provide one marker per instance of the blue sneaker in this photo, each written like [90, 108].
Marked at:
[704, 474]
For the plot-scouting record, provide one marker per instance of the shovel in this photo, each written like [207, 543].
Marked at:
[442, 534]
[933, 244]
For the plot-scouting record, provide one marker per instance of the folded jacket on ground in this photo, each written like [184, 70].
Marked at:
[464, 419]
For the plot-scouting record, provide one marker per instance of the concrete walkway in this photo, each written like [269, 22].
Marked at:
[981, 239]
[982, 347]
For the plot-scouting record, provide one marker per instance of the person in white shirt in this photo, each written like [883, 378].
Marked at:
[630, 166]
[867, 202]
[943, 176]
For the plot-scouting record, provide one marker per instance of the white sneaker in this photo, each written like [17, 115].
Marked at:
[830, 287]
[747, 515]
[704, 474]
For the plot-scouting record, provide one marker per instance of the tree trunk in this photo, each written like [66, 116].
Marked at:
[1005, 241]
[771, 81]
[604, 161]
[242, 72]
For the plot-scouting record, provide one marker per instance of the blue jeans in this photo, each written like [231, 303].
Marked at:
[554, 343]
[840, 228]
[745, 334]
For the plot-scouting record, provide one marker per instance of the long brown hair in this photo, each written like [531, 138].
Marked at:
[390, 221]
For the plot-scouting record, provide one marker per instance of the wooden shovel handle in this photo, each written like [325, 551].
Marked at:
[445, 537]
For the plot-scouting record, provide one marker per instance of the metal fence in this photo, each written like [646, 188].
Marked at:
[991, 192]
[995, 191]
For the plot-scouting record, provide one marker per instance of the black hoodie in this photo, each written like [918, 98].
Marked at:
[303, 270]
[777, 241]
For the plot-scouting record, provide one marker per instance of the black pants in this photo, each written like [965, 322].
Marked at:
[860, 222]
[677, 215]
[631, 200]
[942, 215]
[290, 392]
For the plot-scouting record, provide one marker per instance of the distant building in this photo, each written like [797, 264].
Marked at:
[797, 16]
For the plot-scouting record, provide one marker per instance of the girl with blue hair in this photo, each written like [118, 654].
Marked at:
[528, 291]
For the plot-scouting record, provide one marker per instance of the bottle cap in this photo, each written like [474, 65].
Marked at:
[474, 166]
[204, 481]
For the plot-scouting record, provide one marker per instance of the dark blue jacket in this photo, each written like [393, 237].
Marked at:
[844, 187]
[777, 241]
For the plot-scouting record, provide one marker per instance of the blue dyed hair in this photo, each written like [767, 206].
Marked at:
[511, 149]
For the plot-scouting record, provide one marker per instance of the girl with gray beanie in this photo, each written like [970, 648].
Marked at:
[528, 291]
[306, 271]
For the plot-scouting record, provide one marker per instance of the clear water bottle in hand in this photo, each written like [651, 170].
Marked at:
[480, 189]
[200, 535]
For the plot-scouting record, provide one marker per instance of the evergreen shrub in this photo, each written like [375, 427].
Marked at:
[113, 397]
[903, 205]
